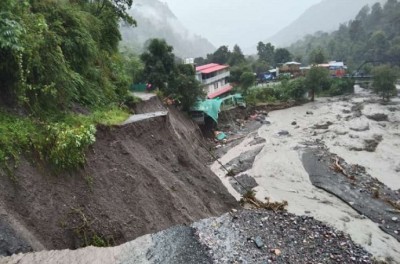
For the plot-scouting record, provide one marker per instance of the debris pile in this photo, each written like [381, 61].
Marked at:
[260, 236]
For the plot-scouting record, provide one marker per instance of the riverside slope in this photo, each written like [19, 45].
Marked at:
[139, 178]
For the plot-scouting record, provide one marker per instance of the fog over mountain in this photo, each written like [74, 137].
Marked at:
[247, 22]
[234, 22]
[325, 16]
[230, 22]
[156, 20]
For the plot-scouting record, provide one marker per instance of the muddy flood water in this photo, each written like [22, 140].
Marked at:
[360, 130]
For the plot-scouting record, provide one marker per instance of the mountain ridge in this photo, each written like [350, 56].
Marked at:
[325, 16]
[156, 20]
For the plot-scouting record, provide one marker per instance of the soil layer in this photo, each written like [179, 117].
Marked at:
[139, 178]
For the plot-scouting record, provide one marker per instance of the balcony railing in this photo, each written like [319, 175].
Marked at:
[216, 78]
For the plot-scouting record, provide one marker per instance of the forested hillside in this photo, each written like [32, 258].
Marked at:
[57, 52]
[59, 60]
[373, 35]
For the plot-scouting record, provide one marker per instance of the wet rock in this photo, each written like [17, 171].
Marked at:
[257, 140]
[245, 161]
[10, 241]
[340, 132]
[378, 117]
[243, 183]
[283, 133]
[277, 252]
[323, 126]
[370, 145]
[259, 243]
[360, 128]
[260, 118]
[356, 149]
[353, 136]
[265, 122]
[356, 109]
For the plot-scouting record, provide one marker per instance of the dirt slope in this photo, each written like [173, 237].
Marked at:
[140, 178]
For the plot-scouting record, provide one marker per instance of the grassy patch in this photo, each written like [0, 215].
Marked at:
[15, 139]
[109, 117]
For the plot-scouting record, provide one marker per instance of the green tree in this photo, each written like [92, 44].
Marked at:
[265, 52]
[282, 55]
[356, 31]
[118, 7]
[317, 56]
[384, 82]
[183, 86]
[175, 81]
[200, 61]
[378, 45]
[59, 52]
[221, 55]
[159, 63]
[317, 79]
[236, 57]
[247, 79]
[260, 67]
[296, 89]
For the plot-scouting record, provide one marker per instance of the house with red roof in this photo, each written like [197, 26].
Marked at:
[214, 78]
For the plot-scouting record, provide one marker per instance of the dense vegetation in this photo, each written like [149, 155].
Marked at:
[174, 80]
[372, 36]
[58, 57]
[384, 81]
[58, 52]
[317, 81]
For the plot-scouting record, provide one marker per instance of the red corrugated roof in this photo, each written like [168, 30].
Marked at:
[209, 68]
[220, 91]
[200, 68]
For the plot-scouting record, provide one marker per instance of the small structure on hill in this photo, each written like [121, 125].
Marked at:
[337, 68]
[292, 68]
[214, 78]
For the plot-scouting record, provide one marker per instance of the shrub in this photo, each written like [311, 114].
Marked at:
[296, 89]
[384, 81]
[15, 138]
[340, 86]
[65, 145]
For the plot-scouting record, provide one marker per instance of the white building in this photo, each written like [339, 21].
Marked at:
[214, 79]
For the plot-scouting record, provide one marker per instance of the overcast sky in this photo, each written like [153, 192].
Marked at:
[245, 22]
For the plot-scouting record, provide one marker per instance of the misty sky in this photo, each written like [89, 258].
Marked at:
[245, 22]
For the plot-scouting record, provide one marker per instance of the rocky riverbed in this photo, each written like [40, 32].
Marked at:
[363, 133]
